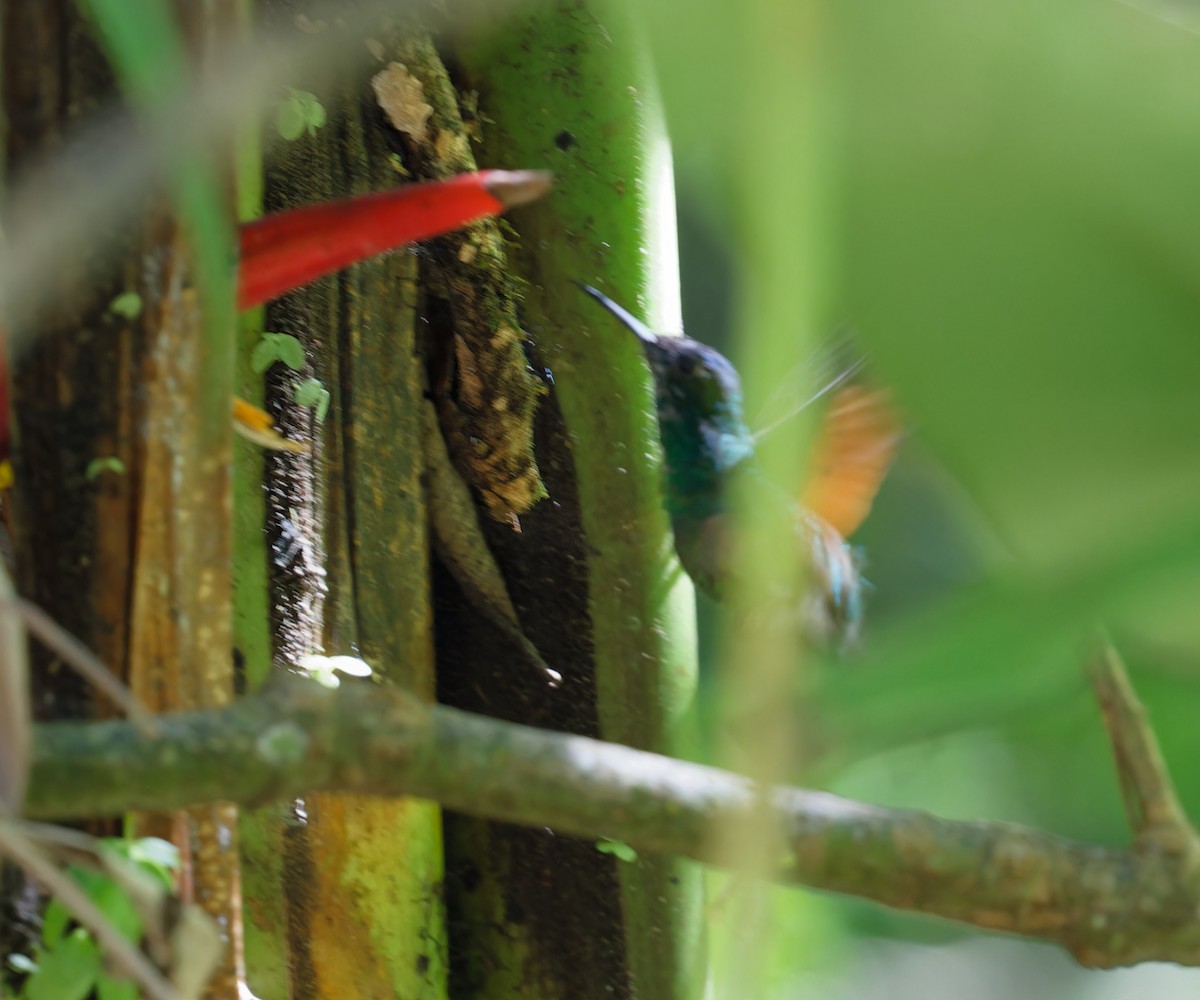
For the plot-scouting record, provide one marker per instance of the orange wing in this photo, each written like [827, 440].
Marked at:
[858, 437]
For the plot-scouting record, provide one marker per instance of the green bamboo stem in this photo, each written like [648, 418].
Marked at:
[568, 87]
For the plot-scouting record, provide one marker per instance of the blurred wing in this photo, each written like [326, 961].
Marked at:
[858, 437]
[837, 360]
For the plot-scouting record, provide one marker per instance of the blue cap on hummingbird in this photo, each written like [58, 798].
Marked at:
[706, 442]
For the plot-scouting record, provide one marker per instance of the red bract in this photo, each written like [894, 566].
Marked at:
[284, 251]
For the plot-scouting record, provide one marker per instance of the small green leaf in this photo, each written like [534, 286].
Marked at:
[108, 988]
[152, 851]
[316, 117]
[350, 665]
[397, 164]
[263, 355]
[289, 120]
[291, 351]
[127, 304]
[325, 677]
[110, 463]
[324, 669]
[68, 972]
[308, 392]
[54, 923]
[277, 347]
[151, 854]
[111, 900]
[618, 849]
[298, 112]
[312, 393]
[22, 963]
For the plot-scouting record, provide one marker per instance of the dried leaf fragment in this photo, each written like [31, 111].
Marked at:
[403, 100]
[486, 394]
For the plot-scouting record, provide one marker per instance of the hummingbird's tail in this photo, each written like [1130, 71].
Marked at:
[834, 603]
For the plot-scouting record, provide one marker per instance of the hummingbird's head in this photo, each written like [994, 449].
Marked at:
[698, 395]
[692, 376]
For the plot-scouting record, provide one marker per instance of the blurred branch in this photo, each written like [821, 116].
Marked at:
[1107, 907]
[83, 661]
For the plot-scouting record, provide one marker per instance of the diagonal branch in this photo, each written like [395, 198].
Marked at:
[1107, 907]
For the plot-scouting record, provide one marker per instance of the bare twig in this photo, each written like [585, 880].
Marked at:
[85, 663]
[461, 544]
[1151, 803]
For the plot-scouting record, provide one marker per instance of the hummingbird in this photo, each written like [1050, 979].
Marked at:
[707, 444]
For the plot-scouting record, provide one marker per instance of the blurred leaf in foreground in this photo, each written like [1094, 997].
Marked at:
[1022, 257]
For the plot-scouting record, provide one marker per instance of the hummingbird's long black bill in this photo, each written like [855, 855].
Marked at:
[640, 330]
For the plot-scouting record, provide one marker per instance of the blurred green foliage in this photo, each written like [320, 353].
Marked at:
[66, 963]
[1010, 233]
[299, 113]
[1012, 238]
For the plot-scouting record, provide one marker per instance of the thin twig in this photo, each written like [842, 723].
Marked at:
[62, 839]
[1151, 803]
[85, 663]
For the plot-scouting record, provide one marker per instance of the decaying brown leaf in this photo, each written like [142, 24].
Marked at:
[485, 393]
[84, 662]
[403, 100]
[462, 547]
